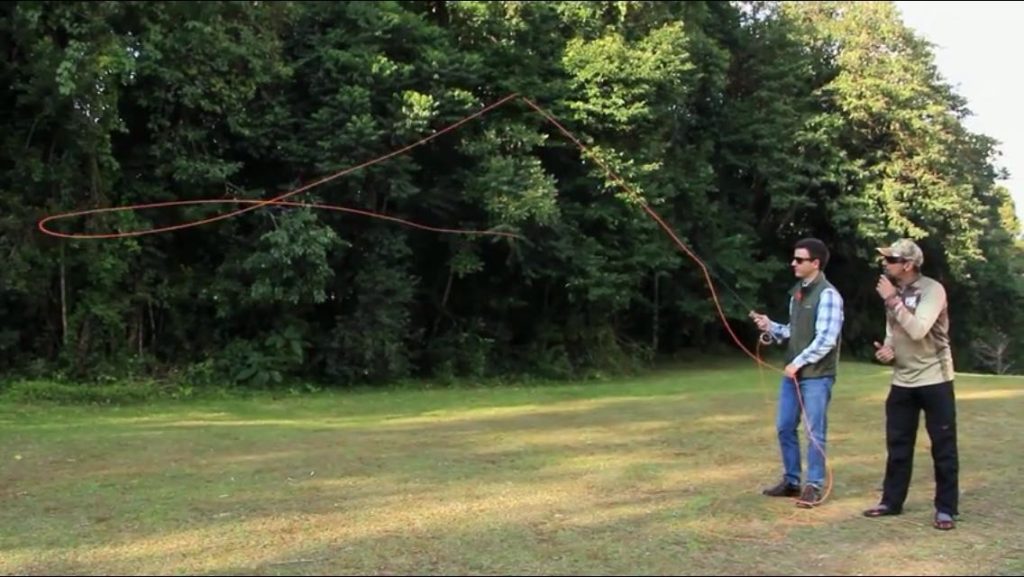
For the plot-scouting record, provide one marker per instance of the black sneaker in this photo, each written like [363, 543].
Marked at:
[783, 489]
[809, 497]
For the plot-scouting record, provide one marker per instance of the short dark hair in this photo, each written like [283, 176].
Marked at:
[816, 249]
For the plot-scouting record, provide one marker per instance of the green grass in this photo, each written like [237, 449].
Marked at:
[660, 474]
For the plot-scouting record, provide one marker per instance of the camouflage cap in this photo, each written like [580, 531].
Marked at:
[905, 249]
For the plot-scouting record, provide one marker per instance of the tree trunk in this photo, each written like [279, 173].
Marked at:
[152, 325]
[142, 315]
[444, 299]
[63, 299]
[654, 329]
[83, 341]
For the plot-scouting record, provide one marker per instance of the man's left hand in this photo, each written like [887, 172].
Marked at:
[791, 371]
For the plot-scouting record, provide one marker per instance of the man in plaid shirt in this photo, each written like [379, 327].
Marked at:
[812, 356]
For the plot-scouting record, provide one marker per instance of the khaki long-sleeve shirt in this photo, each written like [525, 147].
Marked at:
[917, 329]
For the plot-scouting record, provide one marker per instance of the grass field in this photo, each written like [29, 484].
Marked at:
[660, 474]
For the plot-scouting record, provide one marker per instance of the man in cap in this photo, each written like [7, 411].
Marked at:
[917, 344]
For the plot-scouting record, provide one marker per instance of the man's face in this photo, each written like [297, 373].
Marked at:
[802, 264]
[895, 267]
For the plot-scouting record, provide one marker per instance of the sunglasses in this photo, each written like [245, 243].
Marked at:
[894, 259]
[801, 260]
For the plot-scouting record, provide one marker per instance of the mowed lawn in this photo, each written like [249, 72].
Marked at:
[655, 475]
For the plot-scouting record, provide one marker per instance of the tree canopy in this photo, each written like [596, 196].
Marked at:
[746, 125]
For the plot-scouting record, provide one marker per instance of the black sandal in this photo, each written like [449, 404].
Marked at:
[944, 524]
[880, 510]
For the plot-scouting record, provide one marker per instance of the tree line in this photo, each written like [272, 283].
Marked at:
[745, 125]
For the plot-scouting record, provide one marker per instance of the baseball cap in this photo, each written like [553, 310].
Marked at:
[905, 249]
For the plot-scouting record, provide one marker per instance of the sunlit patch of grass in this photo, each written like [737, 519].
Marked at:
[641, 476]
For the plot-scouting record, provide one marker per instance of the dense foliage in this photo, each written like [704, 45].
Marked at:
[746, 125]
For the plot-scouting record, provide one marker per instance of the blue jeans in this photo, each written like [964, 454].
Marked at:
[816, 394]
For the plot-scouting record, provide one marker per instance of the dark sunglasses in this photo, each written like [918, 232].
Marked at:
[894, 259]
[801, 260]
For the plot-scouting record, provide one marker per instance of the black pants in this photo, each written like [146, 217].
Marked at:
[902, 411]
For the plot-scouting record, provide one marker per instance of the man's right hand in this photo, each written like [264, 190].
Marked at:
[762, 321]
[884, 353]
